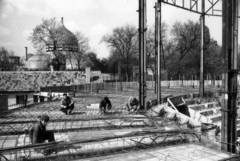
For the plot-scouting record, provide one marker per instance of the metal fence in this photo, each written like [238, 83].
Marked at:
[120, 85]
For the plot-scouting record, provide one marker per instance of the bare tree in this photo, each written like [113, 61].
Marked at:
[185, 38]
[79, 57]
[48, 33]
[123, 43]
[183, 50]
[150, 48]
[44, 34]
[5, 63]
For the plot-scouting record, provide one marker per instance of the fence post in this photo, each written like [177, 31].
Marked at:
[152, 80]
[74, 92]
[182, 80]
[170, 82]
[192, 81]
[178, 82]
[91, 87]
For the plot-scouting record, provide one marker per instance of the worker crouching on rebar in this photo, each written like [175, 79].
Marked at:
[38, 133]
[132, 105]
[105, 105]
[67, 104]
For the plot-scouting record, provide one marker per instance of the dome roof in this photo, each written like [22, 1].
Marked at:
[66, 40]
[38, 61]
[67, 37]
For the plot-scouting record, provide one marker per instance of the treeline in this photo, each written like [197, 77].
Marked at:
[180, 52]
[6, 63]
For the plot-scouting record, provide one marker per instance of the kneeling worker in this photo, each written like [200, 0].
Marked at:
[67, 104]
[105, 104]
[38, 133]
[133, 104]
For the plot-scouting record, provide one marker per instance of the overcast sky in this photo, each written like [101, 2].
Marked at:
[94, 18]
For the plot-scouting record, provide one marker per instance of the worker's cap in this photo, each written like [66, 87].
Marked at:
[64, 94]
[45, 118]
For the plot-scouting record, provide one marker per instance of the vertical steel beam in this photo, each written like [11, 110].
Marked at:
[235, 32]
[229, 50]
[159, 52]
[201, 86]
[140, 50]
[156, 46]
[142, 53]
[224, 123]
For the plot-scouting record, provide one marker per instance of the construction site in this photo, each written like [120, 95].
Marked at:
[177, 120]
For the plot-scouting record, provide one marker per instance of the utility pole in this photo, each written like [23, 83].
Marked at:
[142, 53]
[229, 50]
[202, 19]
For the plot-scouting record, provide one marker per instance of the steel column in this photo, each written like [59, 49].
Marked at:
[142, 53]
[229, 50]
[201, 86]
[159, 52]
[156, 46]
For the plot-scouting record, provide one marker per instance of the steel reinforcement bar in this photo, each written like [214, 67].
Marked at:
[104, 145]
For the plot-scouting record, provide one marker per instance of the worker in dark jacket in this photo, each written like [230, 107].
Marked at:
[105, 105]
[38, 133]
[67, 104]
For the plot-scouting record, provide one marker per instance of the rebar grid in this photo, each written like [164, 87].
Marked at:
[117, 119]
[104, 145]
[75, 126]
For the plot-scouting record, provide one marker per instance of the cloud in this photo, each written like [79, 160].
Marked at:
[26, 33]
[98, 30]
[120, 7]
[4, 31]
[73, 6]
[101, 51]
[72, 26]
[96, 34]
[3, 15]
[4, 44]
[29, 7]
[5, 10]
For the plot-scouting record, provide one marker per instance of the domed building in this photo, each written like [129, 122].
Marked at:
[38, 62]
[26, 57]
[65, 44]
[67, 39]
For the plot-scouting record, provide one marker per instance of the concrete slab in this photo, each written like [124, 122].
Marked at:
[186, 152]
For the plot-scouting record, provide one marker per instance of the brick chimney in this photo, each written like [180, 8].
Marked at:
[26, 53]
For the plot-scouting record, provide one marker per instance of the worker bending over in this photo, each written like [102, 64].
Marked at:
[67, 104]
[133, 104]
[105, 104]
